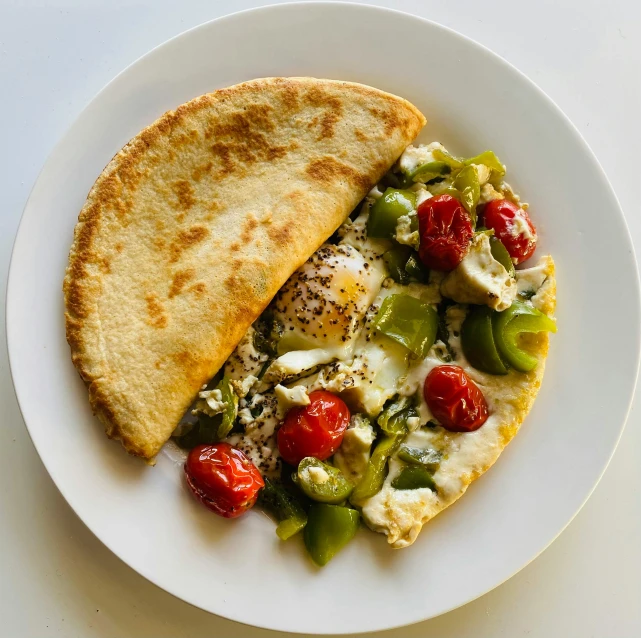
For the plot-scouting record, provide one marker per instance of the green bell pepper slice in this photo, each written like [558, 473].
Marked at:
[426, 457]
[467, 183]
[409, 321]
[453, 162]
[285, 507]
[520, 317]
[489, 159]
[384, 213]
[427, 172]
[329, 528]
[414, 477]
[376, 470]
[332, 487]
[387, 419]
[211, 429]
[396, 261]
[477, 341]
[499, 252]
[416, 269]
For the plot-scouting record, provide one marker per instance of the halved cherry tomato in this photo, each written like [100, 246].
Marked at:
[445, 232]
[454, 399]
[223, 479]
[512, 225]
[313, 430]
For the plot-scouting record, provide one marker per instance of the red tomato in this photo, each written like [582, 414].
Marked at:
[454, 399]
[512, 225]
[445, 230]
[223, 479]
[313, 430]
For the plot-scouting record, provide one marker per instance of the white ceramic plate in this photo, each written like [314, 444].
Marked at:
[473, 100]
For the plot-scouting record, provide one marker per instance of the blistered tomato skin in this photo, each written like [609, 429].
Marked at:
[314, 430]
[223, 479]
[445, 231]
[513, 226]
[454, 399]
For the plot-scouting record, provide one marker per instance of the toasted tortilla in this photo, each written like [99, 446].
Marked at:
[197, 222]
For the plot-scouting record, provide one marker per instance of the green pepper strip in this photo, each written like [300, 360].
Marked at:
[426, 172]
[499, 252]
[329, 528]
[384, 213]
[453, 162]
[427, 457]
[507, 325]
[396, 260]
[335, 489]
[409, 321]
[467, 183]
[386, 419]
[376, 470]
[414, 477]
[284, 507]
[416, 269]
[477, 341]
[489, 159]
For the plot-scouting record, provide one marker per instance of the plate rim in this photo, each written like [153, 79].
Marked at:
[297, 5]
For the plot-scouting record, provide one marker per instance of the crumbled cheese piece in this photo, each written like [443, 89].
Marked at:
[243, 386]
[317, 475]
[245, 416]
[290, 397]
[480, 279]
[353, 455]
[489, 194]
[211, 403]
[414, 156]
[404, 233]
[375, 193]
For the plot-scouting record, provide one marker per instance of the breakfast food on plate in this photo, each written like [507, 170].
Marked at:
[365, 366]
[197, 222]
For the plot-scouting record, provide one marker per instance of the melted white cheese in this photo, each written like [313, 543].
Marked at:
[354, 453]
[414, 156]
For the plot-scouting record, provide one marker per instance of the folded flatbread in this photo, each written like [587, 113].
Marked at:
[197, 222]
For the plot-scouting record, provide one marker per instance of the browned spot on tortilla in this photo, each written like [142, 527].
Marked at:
[185, 239]
[249, 226]
[181, 278]
[199, 288]
[155, 311]
[235, 246]
[118, 247]
[360, 136]
[332, 110]
[328, 168]
[159, 243]
[200, 171]
[184, 193]
[279, 234]
[242, 138]
[104, 263]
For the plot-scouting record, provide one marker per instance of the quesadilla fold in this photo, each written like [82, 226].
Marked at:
[198, 221]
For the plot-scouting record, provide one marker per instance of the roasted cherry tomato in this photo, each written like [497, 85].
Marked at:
[512, 225]
[223, 479]
[454, 399]
[445, 231]
[313, 430]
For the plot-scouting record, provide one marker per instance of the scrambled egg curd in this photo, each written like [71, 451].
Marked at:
[365, 320]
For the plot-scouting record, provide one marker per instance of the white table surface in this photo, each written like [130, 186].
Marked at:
[56, 579]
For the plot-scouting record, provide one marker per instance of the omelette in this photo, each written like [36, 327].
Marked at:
[366, 320]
